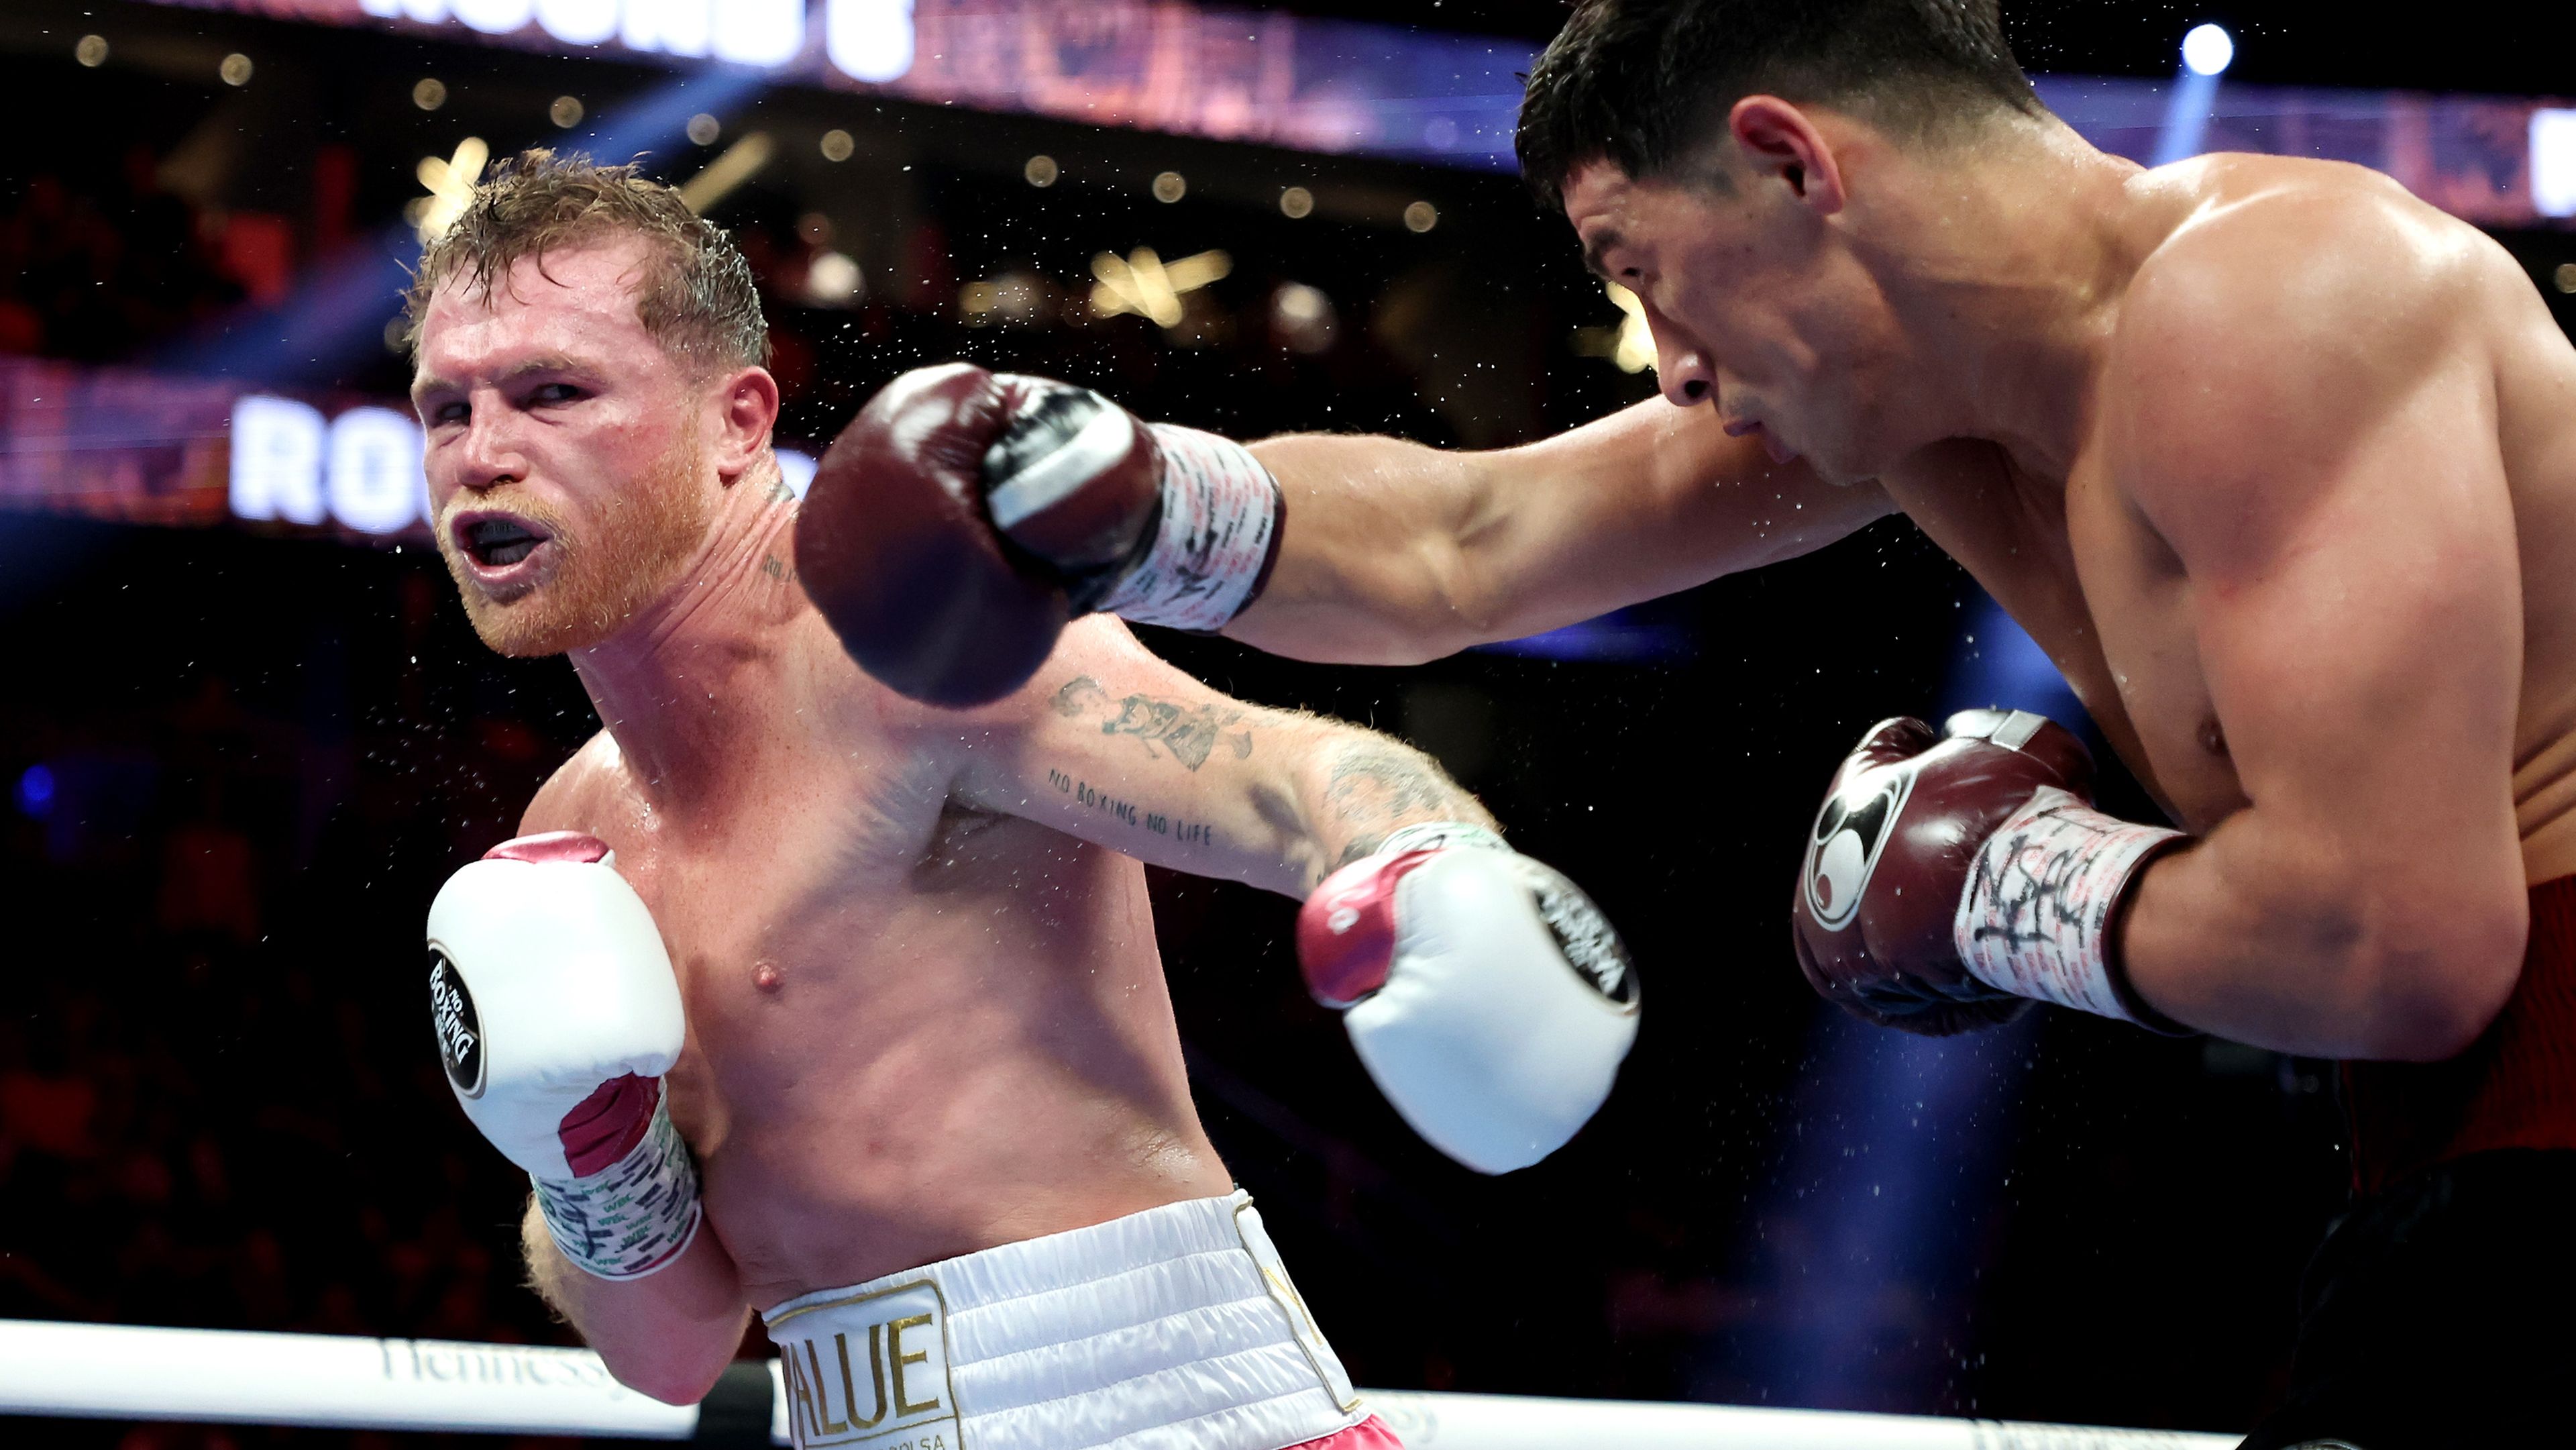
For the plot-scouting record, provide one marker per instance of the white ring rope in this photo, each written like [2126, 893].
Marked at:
[115, 1372]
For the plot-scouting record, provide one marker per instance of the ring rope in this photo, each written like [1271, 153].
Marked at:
[119, 1372]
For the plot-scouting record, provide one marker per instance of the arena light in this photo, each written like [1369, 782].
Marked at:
[747, 32]
[36, 792]
[451, 187]
[2208, 49]
[2553, 162]
[869, 40]
[740, 163]
[1631, 345]
[1302, 317]
[1144, 284]
[833, 279]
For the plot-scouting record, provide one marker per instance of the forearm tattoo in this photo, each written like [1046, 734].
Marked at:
[1180, 828]
[1377, 785]
[1187, 733]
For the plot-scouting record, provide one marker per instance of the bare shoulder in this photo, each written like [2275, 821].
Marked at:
[2298, 264]
[2295, 303]
[570, 798]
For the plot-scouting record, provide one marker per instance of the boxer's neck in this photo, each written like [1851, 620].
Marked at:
[2009, 279]
[692, 675]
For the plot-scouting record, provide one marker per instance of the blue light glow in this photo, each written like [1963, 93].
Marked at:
[36, 792]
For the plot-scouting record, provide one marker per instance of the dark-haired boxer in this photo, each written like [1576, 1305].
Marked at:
[2275, 461]
[805, 997]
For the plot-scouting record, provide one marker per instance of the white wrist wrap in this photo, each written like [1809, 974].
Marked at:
[2036, 918]
[630, 1219]
[1434, 835]
[1220, 509]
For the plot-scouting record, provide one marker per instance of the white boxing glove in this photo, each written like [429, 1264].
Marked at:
[1486, 994]
[557, 1014]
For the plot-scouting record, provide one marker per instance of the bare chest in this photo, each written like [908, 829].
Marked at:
[2108, 603]
[838, 924]
[778, 897]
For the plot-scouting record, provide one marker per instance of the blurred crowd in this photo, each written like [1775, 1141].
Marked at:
[95, 270]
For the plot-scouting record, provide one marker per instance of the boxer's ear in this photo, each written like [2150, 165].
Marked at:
[743, 408]
[1781, 142]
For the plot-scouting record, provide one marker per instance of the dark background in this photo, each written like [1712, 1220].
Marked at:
[218, 1102]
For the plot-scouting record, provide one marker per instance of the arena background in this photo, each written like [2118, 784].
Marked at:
[243, 750]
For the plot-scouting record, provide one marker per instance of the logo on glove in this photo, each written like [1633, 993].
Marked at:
[460, 1031]
[1851, 833]
[1590, 945]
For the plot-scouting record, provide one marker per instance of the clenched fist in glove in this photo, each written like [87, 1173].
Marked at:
[964, 516]
[557, 1014]
[1952, 878]
[1485, 993]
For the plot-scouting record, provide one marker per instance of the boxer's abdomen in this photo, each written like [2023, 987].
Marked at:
[2515, 1088]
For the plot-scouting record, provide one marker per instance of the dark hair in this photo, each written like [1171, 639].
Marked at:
[1636, 81]
[698, 299]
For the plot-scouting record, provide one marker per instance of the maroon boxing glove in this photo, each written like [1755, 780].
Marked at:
[1952, 877]
[964, 516]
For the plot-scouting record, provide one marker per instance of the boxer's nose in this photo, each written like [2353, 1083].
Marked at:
[1683, 370]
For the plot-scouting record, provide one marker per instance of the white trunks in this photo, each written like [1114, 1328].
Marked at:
[1171, 1329]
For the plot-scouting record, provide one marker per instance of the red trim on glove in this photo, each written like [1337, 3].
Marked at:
[609, 1123]
[1346, 930]
[579, 847]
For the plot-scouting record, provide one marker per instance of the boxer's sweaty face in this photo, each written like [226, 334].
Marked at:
[566, 478]
[1756, 308]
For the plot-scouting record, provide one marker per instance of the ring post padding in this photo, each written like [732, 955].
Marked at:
[116, 1372]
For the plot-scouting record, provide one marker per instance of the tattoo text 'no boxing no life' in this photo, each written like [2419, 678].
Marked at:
[1186, 832]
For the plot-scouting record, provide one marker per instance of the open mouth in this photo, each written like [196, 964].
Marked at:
[497, 541]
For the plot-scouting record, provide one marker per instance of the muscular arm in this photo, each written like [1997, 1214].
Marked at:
[1114, 746]
[2331, 484]
[1393, 553]
[670, 1333]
